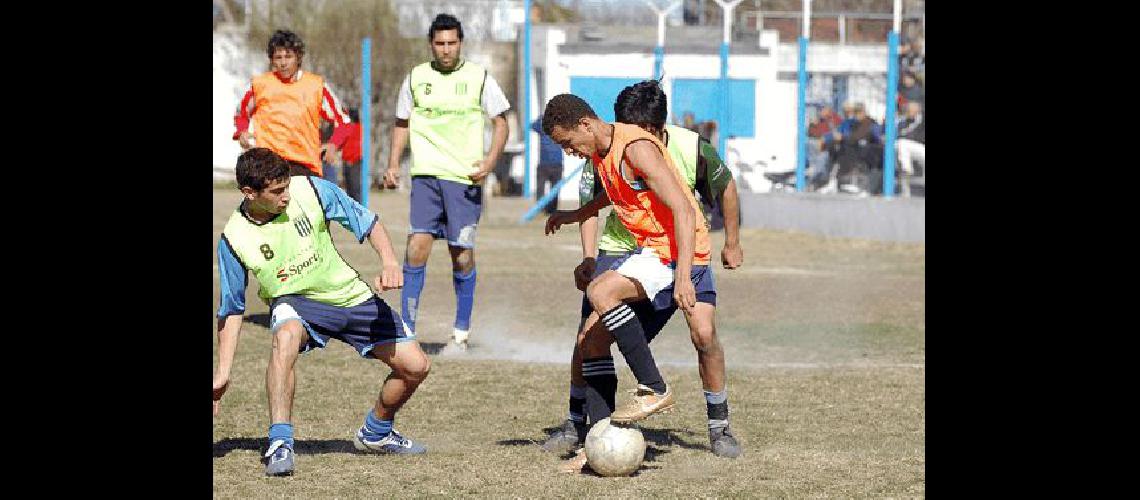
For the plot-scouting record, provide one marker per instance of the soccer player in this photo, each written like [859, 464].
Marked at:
[440, 107]
[280, 234]
[647, 193]
[645, 105]
[286, 106]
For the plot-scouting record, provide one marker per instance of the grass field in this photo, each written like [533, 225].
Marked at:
[825, 347]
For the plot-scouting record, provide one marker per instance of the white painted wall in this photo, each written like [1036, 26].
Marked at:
[234, 66]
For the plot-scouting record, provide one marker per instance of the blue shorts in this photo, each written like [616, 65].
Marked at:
[445, 209]
[652, 318]
[363, 326]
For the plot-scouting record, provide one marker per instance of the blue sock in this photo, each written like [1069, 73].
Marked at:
[375, 428]
[464, 297]
[410, 296]
[282, 431]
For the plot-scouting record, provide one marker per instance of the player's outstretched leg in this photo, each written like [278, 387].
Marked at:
[710, 356]
[653, 395]
[410, 366]
[280, 385]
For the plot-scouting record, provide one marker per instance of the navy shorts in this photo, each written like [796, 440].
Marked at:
[446, 209]
[652, 319]
[363, 326]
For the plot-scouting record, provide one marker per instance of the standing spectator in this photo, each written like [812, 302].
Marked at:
[440, 108]
[911, 145]
[286, 106]
[549, 165]
[912, 59]
[910, 90]
[346, 143]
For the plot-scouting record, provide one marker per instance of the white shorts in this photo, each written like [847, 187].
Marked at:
[646, 268]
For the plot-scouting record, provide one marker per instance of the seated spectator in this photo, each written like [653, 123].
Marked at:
[859, 148]
[911, 145]
[820, 131]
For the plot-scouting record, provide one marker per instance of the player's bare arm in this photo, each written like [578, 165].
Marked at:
[398, 143]
[588, 231]
[652, 167]
[498, 142]
[560, 217]
[391, 273]
[732, 255]
[229, 329]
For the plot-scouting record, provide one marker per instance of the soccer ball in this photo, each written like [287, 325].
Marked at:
[613, 450]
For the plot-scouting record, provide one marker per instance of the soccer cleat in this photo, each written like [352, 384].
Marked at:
[575, 464]
[393, 443]
[279, 459]
[724, 444]
[568, 437]
[460, 338]
[645, 403]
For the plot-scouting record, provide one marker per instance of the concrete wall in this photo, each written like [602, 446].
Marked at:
[896, 219]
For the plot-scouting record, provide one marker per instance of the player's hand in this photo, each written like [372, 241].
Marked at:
[732, 256]
[246, 140]
[481, 172]
[557, 219]
[584, 273]
[391, 278]
[392, 177]
[684, 293]
[220, 386]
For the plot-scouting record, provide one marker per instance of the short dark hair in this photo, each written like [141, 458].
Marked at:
[257, 167]
[285, 39]
[354, 115]
[643, 103]
[565, 110]
[444, 22]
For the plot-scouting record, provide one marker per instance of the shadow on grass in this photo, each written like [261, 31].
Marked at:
[432, 348]
[301, 446]
[259, 319]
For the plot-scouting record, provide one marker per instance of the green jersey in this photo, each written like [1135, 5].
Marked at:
[293, 253]
[446, 124]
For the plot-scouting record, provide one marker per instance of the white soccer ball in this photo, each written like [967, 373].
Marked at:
[614, 450]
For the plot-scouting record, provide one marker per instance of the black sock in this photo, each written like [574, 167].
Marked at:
[626, 330]
[601, 387]
[718, 414]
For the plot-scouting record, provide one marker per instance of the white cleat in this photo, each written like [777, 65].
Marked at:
[460, 338]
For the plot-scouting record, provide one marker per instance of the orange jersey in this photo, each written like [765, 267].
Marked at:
[287, 116]
[638, 208]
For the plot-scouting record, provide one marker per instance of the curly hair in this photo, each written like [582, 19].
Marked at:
[643, 103]
[565, 110]
[284, 39]
[257, 167]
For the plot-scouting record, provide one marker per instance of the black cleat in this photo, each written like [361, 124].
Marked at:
[567, 438]
[724, 444]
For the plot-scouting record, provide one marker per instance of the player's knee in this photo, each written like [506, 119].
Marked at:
[463, 262]
[417, 369]
[704, 338]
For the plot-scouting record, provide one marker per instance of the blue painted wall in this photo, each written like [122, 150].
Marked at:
[699, 95]
[600, 93]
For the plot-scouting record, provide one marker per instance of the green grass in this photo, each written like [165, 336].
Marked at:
[825, 342]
